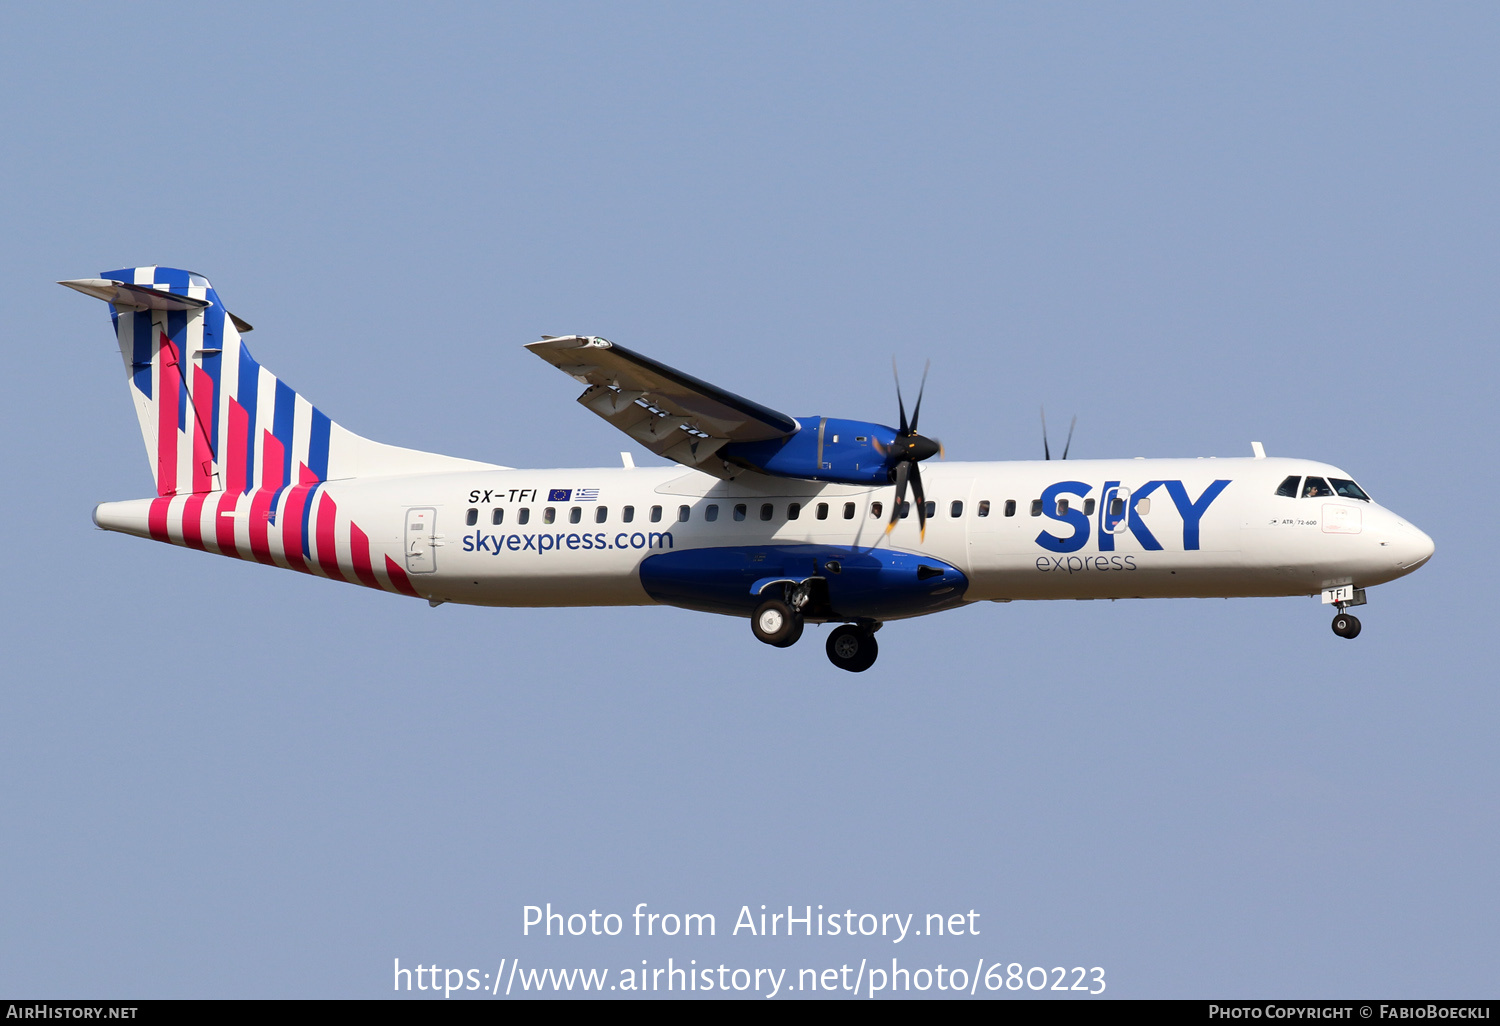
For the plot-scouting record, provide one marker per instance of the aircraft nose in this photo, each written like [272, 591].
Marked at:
[1413, 547]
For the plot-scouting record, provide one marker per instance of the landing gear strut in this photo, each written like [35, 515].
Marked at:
[853, 647]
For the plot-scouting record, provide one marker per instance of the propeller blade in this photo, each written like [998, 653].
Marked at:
[920, 498]
[1046, 452]
[1069, 444]
[902, 470]
[899, 404]
[916, 411]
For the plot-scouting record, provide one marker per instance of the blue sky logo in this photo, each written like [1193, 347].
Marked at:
[1082, 522]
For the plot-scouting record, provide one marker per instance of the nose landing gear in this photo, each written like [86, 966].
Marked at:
[1346, 625]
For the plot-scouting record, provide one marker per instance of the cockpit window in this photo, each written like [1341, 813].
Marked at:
[1348, 489]
[1316, 488]
[1289, 486]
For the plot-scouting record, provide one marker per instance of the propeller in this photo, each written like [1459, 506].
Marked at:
[907, 451]
[1046, 450]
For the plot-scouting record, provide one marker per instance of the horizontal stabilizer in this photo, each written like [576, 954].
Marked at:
[134, 297]
[140, 297]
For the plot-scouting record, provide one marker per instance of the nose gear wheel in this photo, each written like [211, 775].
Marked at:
[1346, 625]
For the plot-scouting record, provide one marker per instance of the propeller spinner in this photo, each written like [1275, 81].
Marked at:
[907, 451]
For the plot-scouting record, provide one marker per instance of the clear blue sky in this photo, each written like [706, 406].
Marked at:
[1192, 225]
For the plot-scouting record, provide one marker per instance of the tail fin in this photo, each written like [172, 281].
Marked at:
[213, 419]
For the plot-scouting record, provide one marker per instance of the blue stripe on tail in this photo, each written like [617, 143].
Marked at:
[249, 389]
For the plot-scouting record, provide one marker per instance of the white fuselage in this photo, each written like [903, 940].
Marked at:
[507, 538]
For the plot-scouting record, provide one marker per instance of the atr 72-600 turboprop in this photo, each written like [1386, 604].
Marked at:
[784, 520]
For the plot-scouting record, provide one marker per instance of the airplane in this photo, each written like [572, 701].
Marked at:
[783, 520]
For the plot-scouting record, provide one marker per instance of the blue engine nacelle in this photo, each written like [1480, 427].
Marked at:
[822, 449]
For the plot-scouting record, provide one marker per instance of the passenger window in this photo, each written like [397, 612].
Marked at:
[905, 510]
[739, 511]
[1316, 488]
[683, 512]
[549, 514]
[984, 507]
[472, 518]
[523, 515]
[1036, 507]
[1143, 506]
[711, 513]
[1088, 507]
[956, 510]
[1117, 507]
[497, 516]
[1289, 486]
[1010, 507]
[767, 510]
[793, 510]
[627, 514]
[876, 508]
[1062, 506]
[848, 511]
[929, 509]
[656, 514]
[822, 511]
[575, 515]
[1348, 489]
[601, 514]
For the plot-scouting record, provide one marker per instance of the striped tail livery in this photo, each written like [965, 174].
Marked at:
[240, 460]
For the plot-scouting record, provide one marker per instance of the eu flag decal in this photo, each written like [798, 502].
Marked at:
[560, 495]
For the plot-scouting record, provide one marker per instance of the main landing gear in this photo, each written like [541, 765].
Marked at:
[851, 647]
[777, 623]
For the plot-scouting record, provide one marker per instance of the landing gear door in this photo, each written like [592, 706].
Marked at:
[421, 540]
[1115, 517]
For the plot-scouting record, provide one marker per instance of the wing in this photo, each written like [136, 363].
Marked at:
[673, 414]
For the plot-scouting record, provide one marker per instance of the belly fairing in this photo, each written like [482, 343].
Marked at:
[875, 584]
